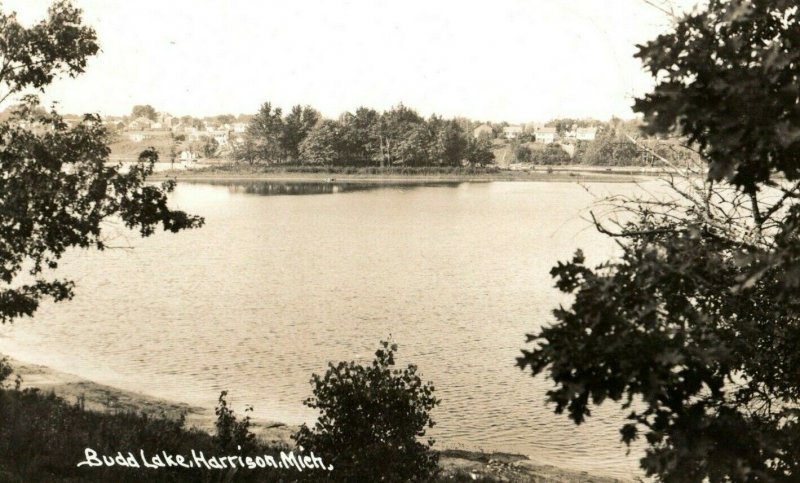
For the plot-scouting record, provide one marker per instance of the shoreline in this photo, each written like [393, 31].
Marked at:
[102, 398]
[617, 174]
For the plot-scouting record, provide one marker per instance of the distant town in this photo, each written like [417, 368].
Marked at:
[366, 137]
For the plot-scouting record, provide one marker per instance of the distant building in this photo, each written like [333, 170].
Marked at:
[140, 124]
[137, 136]
[167, 121]
[546, 135]
[239, 127]
[586, 133]
[482, 130]
[221, 137]
[512, 132]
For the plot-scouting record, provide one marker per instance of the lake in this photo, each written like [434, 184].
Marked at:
[287, 277]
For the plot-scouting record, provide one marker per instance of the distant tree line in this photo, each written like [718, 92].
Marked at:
[397, 137]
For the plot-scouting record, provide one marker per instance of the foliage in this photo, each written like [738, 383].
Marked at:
[323, 143]
[396, 137]
[370, 417]
[551, 154]
[33, 57]
[56, 189]
[448, 143]
[264, 134]
[146, 111]
[360, 136]
[43, 437]
[479, 151]
[694, 328]
[208, 146]
[233, 435]
[225, 118]
[708, 367]
[522, 153]
[612, 147]
[296, 127]
[727, 79]
[5, 371]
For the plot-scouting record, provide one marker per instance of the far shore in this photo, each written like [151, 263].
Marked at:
[98, 397]
[229, 172]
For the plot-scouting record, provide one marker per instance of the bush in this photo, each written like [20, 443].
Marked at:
[233, 435]
[550, 155]
[371, 417]
[522, 153]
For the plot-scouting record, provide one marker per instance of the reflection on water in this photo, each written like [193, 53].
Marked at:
[277, 188]
[272, 288]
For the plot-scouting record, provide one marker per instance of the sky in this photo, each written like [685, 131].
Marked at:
[505, 60]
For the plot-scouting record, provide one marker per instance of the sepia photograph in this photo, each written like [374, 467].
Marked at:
[537, 241]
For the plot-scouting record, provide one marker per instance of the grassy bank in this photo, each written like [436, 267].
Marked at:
[43, 437]
[47, 422]
[374, 174]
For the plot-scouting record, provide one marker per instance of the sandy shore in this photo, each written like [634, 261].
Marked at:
[99, 397]
[502, 466]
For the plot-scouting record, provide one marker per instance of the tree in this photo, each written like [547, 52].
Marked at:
[370, 419]
[323, 143]
[245, 151]
[612, 147]
[563, 125]
[448, 144]
[397, 126]
[225, 118]
[209, 146]
[57, 189]
[412, 146]
[695, 327]
[296, 126]
[479, 151]
[735, 67]
[264, 133]
[522, 153]
[361, 136]
[146, 111]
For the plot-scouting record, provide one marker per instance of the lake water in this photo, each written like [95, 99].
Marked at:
[287, 277]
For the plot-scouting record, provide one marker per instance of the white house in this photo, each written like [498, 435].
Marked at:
[140, 124]
[239, 127]
[546, 135]
[512, 132]
[221, 137]
[137, 136]
[586, 133]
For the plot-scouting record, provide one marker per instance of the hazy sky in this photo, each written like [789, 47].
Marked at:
[513, 60]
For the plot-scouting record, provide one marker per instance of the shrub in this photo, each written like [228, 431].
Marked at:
[370, 419]
[232, 434]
